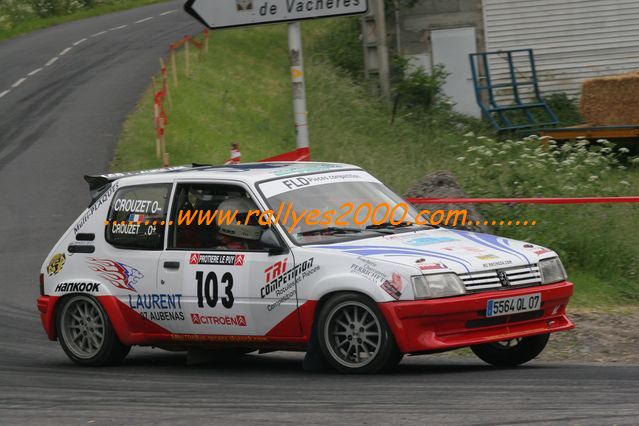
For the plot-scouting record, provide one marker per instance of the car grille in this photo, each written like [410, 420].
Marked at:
[489, 280]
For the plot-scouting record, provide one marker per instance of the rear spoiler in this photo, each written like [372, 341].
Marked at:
[100, 183]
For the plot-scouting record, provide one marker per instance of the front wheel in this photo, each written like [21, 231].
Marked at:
[86, 334]
[354, 337]
[509, 353]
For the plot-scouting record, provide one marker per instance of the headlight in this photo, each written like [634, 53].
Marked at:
[437, 285]
[551, 270]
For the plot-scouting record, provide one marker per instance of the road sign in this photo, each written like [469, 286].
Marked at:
[238, 13]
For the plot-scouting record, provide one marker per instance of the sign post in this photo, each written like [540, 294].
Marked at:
[298, 88]
[238, 13]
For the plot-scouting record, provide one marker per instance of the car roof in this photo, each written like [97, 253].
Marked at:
[245, 172]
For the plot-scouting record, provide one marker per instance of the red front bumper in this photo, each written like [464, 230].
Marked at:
[438, 324]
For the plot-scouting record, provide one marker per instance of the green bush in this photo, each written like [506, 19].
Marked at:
[418, 90]
[565, 109]
[342, 46]
[598, 238]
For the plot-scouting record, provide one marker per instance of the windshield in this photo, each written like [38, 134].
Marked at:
[335, 206]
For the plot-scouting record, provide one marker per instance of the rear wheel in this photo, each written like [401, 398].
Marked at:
[354, 337]
[86, 334]
[509, 353]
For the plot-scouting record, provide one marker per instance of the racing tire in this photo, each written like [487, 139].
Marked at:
[354, 337]
[510, 353]
[86, 334]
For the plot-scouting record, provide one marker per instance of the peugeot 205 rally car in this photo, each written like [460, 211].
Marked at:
[359, 292]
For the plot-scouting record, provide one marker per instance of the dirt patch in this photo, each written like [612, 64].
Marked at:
[598, 337]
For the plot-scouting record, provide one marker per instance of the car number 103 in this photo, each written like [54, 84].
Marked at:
[512, 305]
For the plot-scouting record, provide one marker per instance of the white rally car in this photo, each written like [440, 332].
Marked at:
[358, 294]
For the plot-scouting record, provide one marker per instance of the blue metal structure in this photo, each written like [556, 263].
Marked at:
[513, 114]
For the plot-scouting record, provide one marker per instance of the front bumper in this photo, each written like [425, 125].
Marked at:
[454, 322]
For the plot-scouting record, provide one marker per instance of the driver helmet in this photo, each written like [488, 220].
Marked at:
[240, 229]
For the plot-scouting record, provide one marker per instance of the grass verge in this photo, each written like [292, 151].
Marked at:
[241, 93]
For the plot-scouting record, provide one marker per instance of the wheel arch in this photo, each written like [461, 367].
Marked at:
[112, 308]
[312, 330]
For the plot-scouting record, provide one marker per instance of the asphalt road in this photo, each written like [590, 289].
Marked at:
[62, 122]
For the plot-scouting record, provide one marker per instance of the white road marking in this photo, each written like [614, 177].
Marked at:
[65, 51]
[168, 12]
[19, 82]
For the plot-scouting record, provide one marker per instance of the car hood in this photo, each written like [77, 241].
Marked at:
[437, 250]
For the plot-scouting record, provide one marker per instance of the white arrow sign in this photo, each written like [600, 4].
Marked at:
[237, 13]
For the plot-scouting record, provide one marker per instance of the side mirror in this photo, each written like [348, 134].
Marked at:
[269, 240]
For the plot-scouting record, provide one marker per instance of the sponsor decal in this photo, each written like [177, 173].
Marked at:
[487, 257]
[536, 249]
[306, 169]
[293, 183]
[284, 287]
[497, 263]
[275, 270]
[237, 320]
[288, 279]
[492, 242]
[56, 264]
[424, 241]
[394, 286]
[503, 278]
[116, 273]
[368, 269]
[216, 259]
[432, 267]
[370, 250]
[94, 207]
[467, 249]
[137, 206]
[158, 307]
[78, 287]
[125, 228]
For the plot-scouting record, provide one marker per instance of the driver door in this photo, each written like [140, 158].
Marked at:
[223, 281]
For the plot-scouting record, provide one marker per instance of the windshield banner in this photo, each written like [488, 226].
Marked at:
[275, 187]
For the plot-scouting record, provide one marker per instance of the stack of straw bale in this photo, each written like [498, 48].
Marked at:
[610, 101]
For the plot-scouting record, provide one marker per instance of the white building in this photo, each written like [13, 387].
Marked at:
[572, 40]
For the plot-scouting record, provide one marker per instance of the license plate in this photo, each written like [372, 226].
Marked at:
[513, 305]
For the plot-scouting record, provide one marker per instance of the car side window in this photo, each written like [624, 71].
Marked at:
[137, 217]
[214, 217]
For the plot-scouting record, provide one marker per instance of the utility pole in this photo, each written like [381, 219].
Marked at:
[376, 66]
[297, 79]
